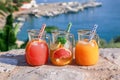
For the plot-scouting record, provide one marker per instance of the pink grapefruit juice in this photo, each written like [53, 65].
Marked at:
[36, 52]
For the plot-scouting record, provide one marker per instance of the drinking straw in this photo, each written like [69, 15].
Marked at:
[92, 34]
[63, 39]
[69, 27]
[42, 31]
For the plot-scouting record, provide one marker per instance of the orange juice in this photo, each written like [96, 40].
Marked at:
[86, 53]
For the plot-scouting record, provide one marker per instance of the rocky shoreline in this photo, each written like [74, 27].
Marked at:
[53, 9]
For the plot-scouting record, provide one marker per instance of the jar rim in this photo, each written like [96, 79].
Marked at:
[84, 32]
[60, 30]
[34, 30]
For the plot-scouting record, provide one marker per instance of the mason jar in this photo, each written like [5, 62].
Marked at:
[61, 48]
[86, 51]
[37, 51]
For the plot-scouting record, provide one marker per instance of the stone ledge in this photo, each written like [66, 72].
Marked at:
[13, 67]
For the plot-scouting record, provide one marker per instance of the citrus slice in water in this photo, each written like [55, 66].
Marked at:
[62, 53]
[55, 46]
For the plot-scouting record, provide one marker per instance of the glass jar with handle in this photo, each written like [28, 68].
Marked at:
[61, 48]
[37, 51]
[86, 51]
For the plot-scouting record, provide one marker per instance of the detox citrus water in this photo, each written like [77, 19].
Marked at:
[61, 48]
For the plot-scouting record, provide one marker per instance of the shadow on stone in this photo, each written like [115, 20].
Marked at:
[20, 59]
[22, 62]
[71, 64]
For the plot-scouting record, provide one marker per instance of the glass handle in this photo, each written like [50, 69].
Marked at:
[29, 36]
[72, 40]
[48, 39]
[97, 39]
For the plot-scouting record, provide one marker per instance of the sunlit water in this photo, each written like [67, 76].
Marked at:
[107, 17]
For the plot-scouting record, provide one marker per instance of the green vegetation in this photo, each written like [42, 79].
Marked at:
[9, 32]
[115, 43]
[8, 35]
[24, 45]
[62, 40]
[117, 39]
[9, 6]
[19, 2]
[49, 29]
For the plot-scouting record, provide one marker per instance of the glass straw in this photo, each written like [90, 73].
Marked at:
[92, 33]
[69, 27]
[42, 31]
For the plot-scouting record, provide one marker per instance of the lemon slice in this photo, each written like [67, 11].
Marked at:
[55, 46]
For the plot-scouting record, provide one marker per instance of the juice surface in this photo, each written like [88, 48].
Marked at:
[86, 53]
[36, 52]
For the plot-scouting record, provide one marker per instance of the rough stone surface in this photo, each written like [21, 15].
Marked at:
[108, 68]
[7, 64]
[112, 56]
[49, 73]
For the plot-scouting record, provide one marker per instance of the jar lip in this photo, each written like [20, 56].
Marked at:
[60, 30]
[84, 30]
[54, 31]
[34, 30]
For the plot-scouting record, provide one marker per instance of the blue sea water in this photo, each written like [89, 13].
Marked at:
[107, 17]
